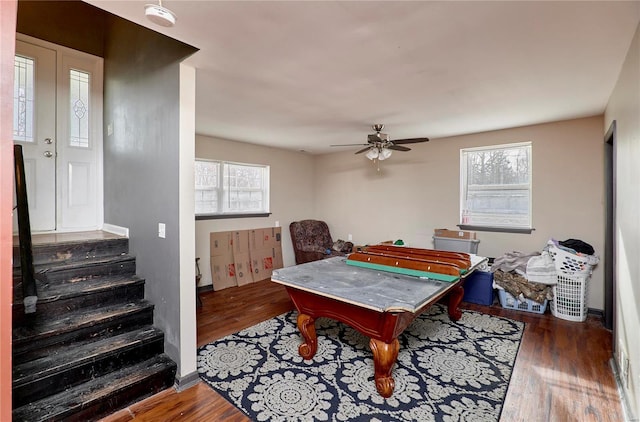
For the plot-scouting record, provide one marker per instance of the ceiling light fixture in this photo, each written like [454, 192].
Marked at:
[159, 15]
[378, 153]
[384, 154]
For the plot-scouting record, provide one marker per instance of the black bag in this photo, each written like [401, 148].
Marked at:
[578, 246]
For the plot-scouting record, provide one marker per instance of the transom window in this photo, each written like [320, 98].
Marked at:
[496, 187]
[231, 188]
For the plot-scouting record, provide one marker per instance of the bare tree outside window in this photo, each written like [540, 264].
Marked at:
[496, 186]
[231, 188]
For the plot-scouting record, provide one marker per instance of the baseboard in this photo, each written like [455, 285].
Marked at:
[207, 288]
[596, 312]
[111, 228]
[622, 393]
[189, 380]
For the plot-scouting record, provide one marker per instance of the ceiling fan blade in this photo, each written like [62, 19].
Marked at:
[363, 150]
[348, 145]
[398, 148]
[409, 141]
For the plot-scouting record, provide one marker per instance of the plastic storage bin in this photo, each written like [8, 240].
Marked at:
[508, 301]
[456, 245]
[570, 297]
[478, 288]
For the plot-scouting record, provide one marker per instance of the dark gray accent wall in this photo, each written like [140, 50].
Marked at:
[141, 159]
[72, 23]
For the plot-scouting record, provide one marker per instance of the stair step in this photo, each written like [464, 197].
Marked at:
[76, 250]
[74, 365]
[43, 331]
[103, 395]
[79, 270]
[63, 297]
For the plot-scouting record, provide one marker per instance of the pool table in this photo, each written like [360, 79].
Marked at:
[379, 304]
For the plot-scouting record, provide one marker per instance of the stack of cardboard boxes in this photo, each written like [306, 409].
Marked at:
[244, 256]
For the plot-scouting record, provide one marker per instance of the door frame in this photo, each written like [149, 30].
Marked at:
[610, 231]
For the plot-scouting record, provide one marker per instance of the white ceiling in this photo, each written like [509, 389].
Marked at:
[304, 75]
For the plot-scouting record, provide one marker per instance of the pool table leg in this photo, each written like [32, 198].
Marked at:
[307, 327]
[384, 356]
[455, 297]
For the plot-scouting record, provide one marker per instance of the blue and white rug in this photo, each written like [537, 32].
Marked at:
[445, 371]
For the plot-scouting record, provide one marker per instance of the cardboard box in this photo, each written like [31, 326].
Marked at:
[261, 264]
[270, 237]
[243, 269]
[240, 239]
[455, 234]
[220, 244]
[264, 261]
[255, 239]
[244, 256]
[223, 273]
[277, 258]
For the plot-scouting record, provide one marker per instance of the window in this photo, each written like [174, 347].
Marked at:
[79, 108]
[224, 188]
[23, 99]
[496, 187]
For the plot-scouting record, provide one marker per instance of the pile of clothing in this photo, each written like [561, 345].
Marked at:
[533, 275]
[529, 276]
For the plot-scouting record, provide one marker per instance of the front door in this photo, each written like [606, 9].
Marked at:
[58, 120]
[34, 127]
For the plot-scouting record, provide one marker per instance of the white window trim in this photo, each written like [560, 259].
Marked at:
[463, 191]
[221, 192]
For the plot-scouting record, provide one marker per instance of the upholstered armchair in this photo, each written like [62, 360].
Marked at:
[312, 241]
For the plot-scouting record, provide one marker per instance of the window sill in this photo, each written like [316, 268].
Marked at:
[495, 229]
[225, 216]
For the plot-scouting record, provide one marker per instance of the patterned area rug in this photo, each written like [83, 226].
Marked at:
[445, 371]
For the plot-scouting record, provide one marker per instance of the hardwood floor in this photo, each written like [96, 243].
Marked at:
[562, 372]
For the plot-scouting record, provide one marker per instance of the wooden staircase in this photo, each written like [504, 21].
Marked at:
[90, 348]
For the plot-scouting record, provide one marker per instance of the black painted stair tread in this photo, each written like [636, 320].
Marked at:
[78, 355]
[78, 320]
[51, 292]
[57, 267]
[102, 395]
[73, 365]
[77, 250]
[88, 266]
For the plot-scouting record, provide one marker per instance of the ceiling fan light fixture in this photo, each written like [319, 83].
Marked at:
[160, 15]
[384, 154]
[372, 154]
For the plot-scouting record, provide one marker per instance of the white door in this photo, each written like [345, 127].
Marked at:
[63, 160]
[34, 127]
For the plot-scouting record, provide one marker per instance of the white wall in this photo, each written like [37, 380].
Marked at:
[624, 108]
[415, 192]
[291, 198]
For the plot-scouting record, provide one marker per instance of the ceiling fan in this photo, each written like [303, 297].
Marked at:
[379, 146]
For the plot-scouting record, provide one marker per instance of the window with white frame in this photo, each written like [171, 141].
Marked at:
[496, 186]
[231, 188]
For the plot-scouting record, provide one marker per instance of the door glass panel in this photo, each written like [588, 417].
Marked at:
[23, 99]
[79, 112]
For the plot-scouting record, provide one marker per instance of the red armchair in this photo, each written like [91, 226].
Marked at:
[312, 241]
